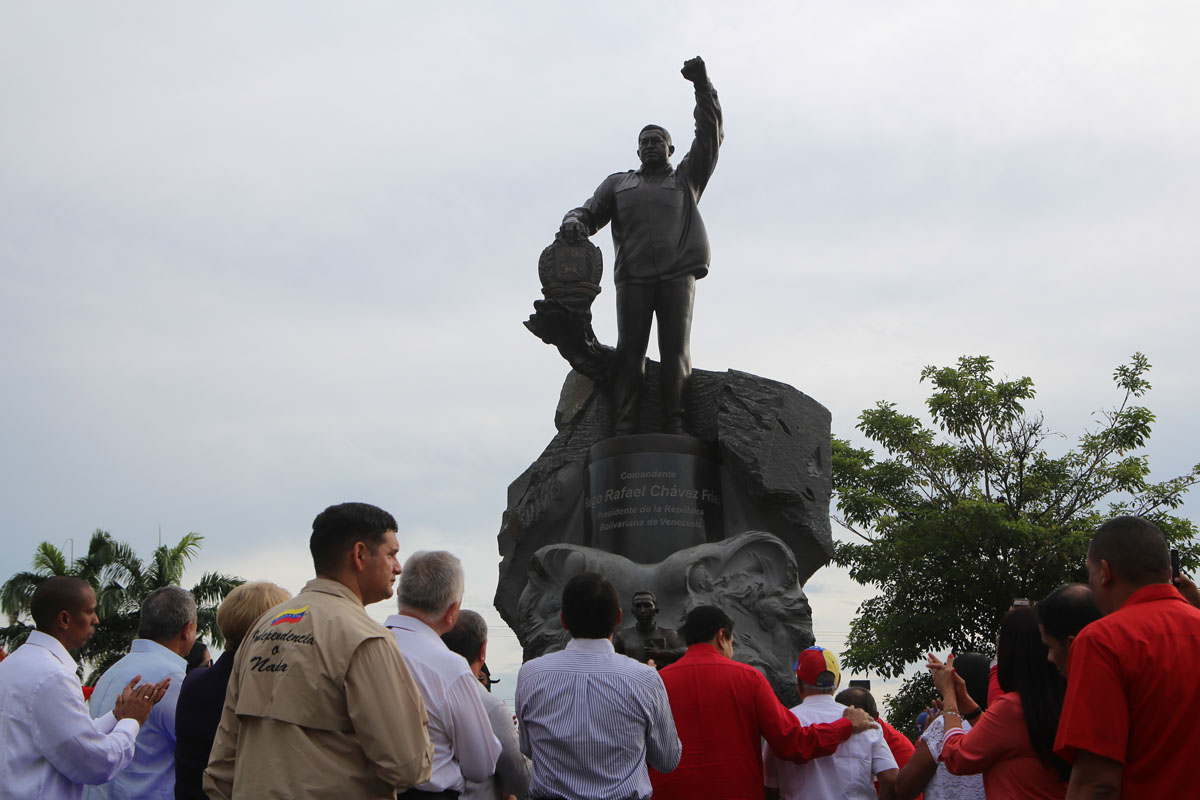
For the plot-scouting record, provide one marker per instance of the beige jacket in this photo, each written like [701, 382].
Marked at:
[320, 705]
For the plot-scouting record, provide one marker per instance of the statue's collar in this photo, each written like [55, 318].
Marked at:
[666, 173]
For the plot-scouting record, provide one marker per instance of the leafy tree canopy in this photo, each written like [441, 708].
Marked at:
[122, 581]
[957, 520]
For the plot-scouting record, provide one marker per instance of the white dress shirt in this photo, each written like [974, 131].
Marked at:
[463, 744]
[512, 769]
[151, 776]
[50, 747]
[591, 719]
[848, 774]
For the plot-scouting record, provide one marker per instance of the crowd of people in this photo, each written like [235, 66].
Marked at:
[1090, 695]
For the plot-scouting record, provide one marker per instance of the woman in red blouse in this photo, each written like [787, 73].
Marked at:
[1012, 743]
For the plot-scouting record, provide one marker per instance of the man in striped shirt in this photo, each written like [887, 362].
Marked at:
[590, 718]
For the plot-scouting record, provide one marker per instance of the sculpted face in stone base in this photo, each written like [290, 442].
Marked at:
[646, 640]
[753, 577]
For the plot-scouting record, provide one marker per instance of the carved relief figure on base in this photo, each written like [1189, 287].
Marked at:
[646, 640]
[752, 576]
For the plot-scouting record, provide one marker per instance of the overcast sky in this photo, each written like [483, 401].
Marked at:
[261, 258]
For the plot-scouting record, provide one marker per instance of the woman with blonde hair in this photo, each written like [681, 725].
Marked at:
[202, 695]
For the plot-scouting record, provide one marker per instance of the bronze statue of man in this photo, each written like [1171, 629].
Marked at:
[646, 640]
[661, 250]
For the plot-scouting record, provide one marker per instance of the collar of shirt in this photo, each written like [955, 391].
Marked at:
[702, 651]
[1153, 593]
[48, 642]
[591, 645]
[406, 623]
[153, 648]
[330, 586]
[819, 700]
[665, 173]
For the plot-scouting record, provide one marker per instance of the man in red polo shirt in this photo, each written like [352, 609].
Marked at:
[722, 708]
[1128, 723]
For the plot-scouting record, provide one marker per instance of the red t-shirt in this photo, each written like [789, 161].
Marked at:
[998, 746]
[721, 709]
[902, 749]
[1133, 695]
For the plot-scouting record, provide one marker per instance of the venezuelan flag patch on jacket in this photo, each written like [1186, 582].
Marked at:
[290, 616]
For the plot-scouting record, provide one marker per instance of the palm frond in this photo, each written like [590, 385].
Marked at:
[17, 592]
[13, 636]
[49, 560]
[187, 548]
[98, 554]
[206, 626]
[213, 586]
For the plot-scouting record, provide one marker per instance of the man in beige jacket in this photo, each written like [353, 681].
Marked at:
[321, 703]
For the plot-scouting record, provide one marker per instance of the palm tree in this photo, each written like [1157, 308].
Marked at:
[122, 581]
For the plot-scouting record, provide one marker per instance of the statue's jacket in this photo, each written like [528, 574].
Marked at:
[657, 230]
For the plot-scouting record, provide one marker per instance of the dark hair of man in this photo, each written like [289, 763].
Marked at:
[974, 668]
[165, 612]
[467, 636]
[590, 606]
[195, 656]
[859, 697]
[1023, 669]
[54, 596]
[702, 624]
[1135, 550]
[652, 127]
[1065, 611]
[337, 528]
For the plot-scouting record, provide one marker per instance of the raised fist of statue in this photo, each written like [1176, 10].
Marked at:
[694, 71]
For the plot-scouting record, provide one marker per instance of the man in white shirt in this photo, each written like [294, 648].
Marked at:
[464, 748]
[50, 747]
[166, 632]
[469, 639]
[849, 773]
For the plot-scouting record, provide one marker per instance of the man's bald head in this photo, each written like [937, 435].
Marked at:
[1135, 549]
[56, 595]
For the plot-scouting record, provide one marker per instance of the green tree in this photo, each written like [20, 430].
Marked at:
[957, 520]
[122, 581]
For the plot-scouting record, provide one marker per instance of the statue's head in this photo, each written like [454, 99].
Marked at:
[645, 606]
[654, 146]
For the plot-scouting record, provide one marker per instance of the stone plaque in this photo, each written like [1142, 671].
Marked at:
[653, 494]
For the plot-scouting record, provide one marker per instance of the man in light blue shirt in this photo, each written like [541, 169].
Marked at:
[165, 635]
[590, 718]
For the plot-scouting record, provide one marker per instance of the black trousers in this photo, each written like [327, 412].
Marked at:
[639, 305]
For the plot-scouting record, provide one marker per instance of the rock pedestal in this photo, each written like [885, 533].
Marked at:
[771, 448]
